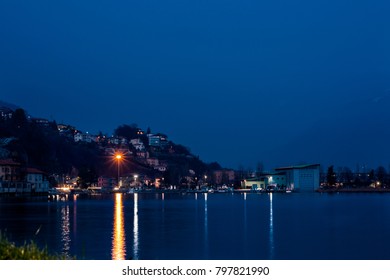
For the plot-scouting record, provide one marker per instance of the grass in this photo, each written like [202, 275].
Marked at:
[28, 251]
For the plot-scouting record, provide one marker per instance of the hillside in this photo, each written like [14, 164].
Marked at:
[54, 149]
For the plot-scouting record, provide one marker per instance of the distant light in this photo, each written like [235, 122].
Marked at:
[118, 156]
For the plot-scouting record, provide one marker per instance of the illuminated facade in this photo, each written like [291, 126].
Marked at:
[302, 177]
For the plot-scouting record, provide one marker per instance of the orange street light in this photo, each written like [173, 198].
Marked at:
[118, 158]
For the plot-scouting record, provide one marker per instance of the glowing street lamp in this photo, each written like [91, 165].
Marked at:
[118, 158]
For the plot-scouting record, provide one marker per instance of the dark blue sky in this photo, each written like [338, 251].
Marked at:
[239, 82]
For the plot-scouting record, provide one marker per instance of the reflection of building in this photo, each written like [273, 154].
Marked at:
[302, 177]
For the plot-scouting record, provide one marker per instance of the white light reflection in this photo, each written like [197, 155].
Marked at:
[245, 225]
[65, 230]
[135, 229]
[119, 238]
[271, 228]
[206, 230]
[75, 196]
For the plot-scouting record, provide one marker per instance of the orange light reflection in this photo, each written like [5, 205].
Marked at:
[118, 238]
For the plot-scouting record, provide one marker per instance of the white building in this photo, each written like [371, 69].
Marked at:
[157, 140]
[138, 144]
[302, 177]
[266, 182]
[36, 181]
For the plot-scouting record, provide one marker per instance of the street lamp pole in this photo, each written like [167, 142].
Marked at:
[118, 158]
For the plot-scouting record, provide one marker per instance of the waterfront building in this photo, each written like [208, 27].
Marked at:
[17, 180]
[272, 181]
[302, 177]
[36, 181]
[10, 170]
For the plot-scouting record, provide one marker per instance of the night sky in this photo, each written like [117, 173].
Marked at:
[238, 82]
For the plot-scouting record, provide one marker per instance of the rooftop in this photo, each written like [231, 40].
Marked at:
[8, 162]
[298, 166]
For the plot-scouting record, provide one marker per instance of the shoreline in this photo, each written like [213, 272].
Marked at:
[352, 190]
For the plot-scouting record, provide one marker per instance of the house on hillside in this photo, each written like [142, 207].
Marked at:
[6, 113]
[157, 140]
[137, 144]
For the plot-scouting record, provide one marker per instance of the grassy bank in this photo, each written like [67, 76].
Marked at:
[28, 251]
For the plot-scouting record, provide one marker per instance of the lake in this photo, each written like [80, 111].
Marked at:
[200, 226]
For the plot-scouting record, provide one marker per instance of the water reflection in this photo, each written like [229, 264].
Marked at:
[75, 196]
[135, 229]
[118, 237]
[65, 230]
[245, 224]
[271, 228]
[206, 230]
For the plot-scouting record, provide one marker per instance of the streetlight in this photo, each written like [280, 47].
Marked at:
[118, 159]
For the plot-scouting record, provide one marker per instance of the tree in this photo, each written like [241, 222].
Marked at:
[331, 177]
[127, 131]
[19, 118]
[381, 175]
[87, 176]
[259, 169]
[345, 175]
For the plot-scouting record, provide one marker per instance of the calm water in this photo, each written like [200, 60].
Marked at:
[205, 226]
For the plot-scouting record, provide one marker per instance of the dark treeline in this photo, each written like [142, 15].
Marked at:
[344, 177]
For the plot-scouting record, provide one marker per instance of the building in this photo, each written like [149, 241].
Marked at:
[85, 137]
[36, 181]
[17, 180]
[40, 121]
[272, 181]
[10, 170]
[224, 176]
[302, 177]
[152, 162]
[157, 140]
[138, 144]
[6, 113]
